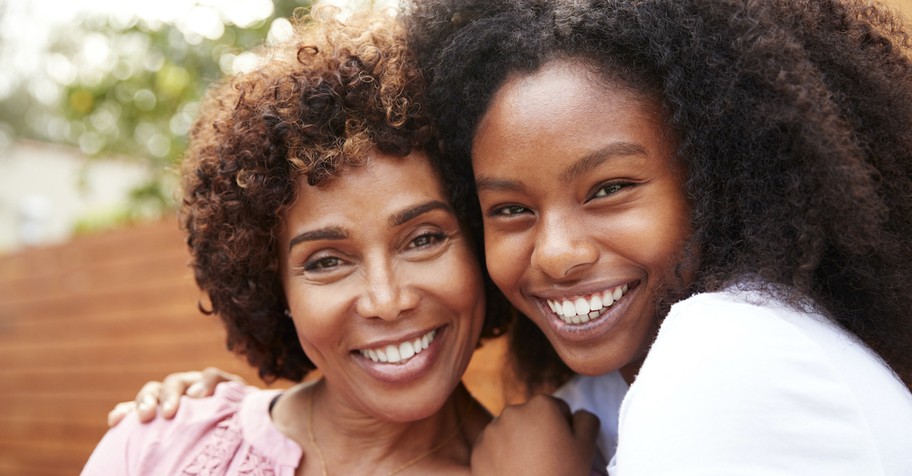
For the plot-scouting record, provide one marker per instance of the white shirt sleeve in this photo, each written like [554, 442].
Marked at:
[730, 388]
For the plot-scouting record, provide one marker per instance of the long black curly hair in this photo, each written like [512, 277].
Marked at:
[795, 127]
[314, 107]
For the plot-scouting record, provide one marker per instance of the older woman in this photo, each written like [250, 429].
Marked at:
[325, 237]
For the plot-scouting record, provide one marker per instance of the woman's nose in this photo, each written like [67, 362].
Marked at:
[387, 295]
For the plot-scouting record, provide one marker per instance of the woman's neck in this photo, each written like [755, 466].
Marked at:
[331, 431]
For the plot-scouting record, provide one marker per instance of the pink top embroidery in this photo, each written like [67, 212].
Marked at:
[229, 434]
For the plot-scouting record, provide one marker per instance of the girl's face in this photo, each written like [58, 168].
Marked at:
[384, 289]
[585, 218]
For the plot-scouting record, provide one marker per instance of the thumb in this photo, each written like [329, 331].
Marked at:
[585, 430]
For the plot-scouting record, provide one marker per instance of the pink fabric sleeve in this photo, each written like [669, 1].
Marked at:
[163, 446]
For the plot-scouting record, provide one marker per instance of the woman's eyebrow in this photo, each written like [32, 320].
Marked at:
[329, 233]
[410, 213]
[594, 159]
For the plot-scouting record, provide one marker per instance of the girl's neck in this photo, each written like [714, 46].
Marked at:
[440, 443]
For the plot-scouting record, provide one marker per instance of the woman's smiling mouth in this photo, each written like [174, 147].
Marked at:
[399, 353]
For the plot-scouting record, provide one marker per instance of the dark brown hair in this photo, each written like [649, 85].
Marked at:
[795, 127]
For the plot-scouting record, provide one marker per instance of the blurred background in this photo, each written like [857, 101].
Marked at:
[96, 98]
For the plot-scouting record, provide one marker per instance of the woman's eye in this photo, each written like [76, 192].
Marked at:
[609, 189]
[323, 264]
[509, 211]
[426, 239]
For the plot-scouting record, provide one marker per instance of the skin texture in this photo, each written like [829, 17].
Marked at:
[569, 212]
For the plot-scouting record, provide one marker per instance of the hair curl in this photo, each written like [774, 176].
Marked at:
[795, 127]
[317, 104]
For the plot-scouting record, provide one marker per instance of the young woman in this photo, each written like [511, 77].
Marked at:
[713, 197]
[325, 237]
[747, 165]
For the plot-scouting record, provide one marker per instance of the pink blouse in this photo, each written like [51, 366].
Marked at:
[230, 433]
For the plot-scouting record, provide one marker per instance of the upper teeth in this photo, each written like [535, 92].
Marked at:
[583, 308]
[401, 352]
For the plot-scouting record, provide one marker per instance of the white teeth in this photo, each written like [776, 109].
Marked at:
[595, 303]
[392, 354]
[402, 352]
[406, 351]
[583, 309]
[582, 306]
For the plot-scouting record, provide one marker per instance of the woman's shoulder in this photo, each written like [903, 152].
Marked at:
[221, 431]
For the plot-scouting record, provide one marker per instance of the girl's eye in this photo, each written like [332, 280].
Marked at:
[609, 189]
[427, 239]
[323, 264]
[509, 211]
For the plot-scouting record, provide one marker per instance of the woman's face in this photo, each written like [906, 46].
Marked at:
[384, 289]
[584, 214]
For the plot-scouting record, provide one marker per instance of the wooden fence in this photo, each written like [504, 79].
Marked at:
[83, 325]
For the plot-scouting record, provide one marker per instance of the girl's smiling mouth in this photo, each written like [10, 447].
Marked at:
[582, 309]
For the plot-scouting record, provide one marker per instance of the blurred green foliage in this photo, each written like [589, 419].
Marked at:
[143, 103]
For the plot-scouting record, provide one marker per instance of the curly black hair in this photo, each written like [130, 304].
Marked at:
[314, 107]
[795, 127]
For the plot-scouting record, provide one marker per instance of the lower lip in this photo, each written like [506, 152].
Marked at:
[595, 328]
[399, 373]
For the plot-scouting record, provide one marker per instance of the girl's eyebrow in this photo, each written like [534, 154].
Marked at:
[594, 159]
[412, 212]
[489, 183]
[328, 233]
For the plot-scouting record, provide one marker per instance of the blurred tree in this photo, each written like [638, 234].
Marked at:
[131, 87]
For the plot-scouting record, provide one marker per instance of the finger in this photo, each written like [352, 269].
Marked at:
[562, 406]
[585, 430]
[173, 386]
[213, 376]
[147, 400]
[119, 412]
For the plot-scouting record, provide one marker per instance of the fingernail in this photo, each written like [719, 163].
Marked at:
[195, 390]
[167, 406]
[146, 403]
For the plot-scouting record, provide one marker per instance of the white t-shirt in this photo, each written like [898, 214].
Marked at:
[601, 395]
[736, 384]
